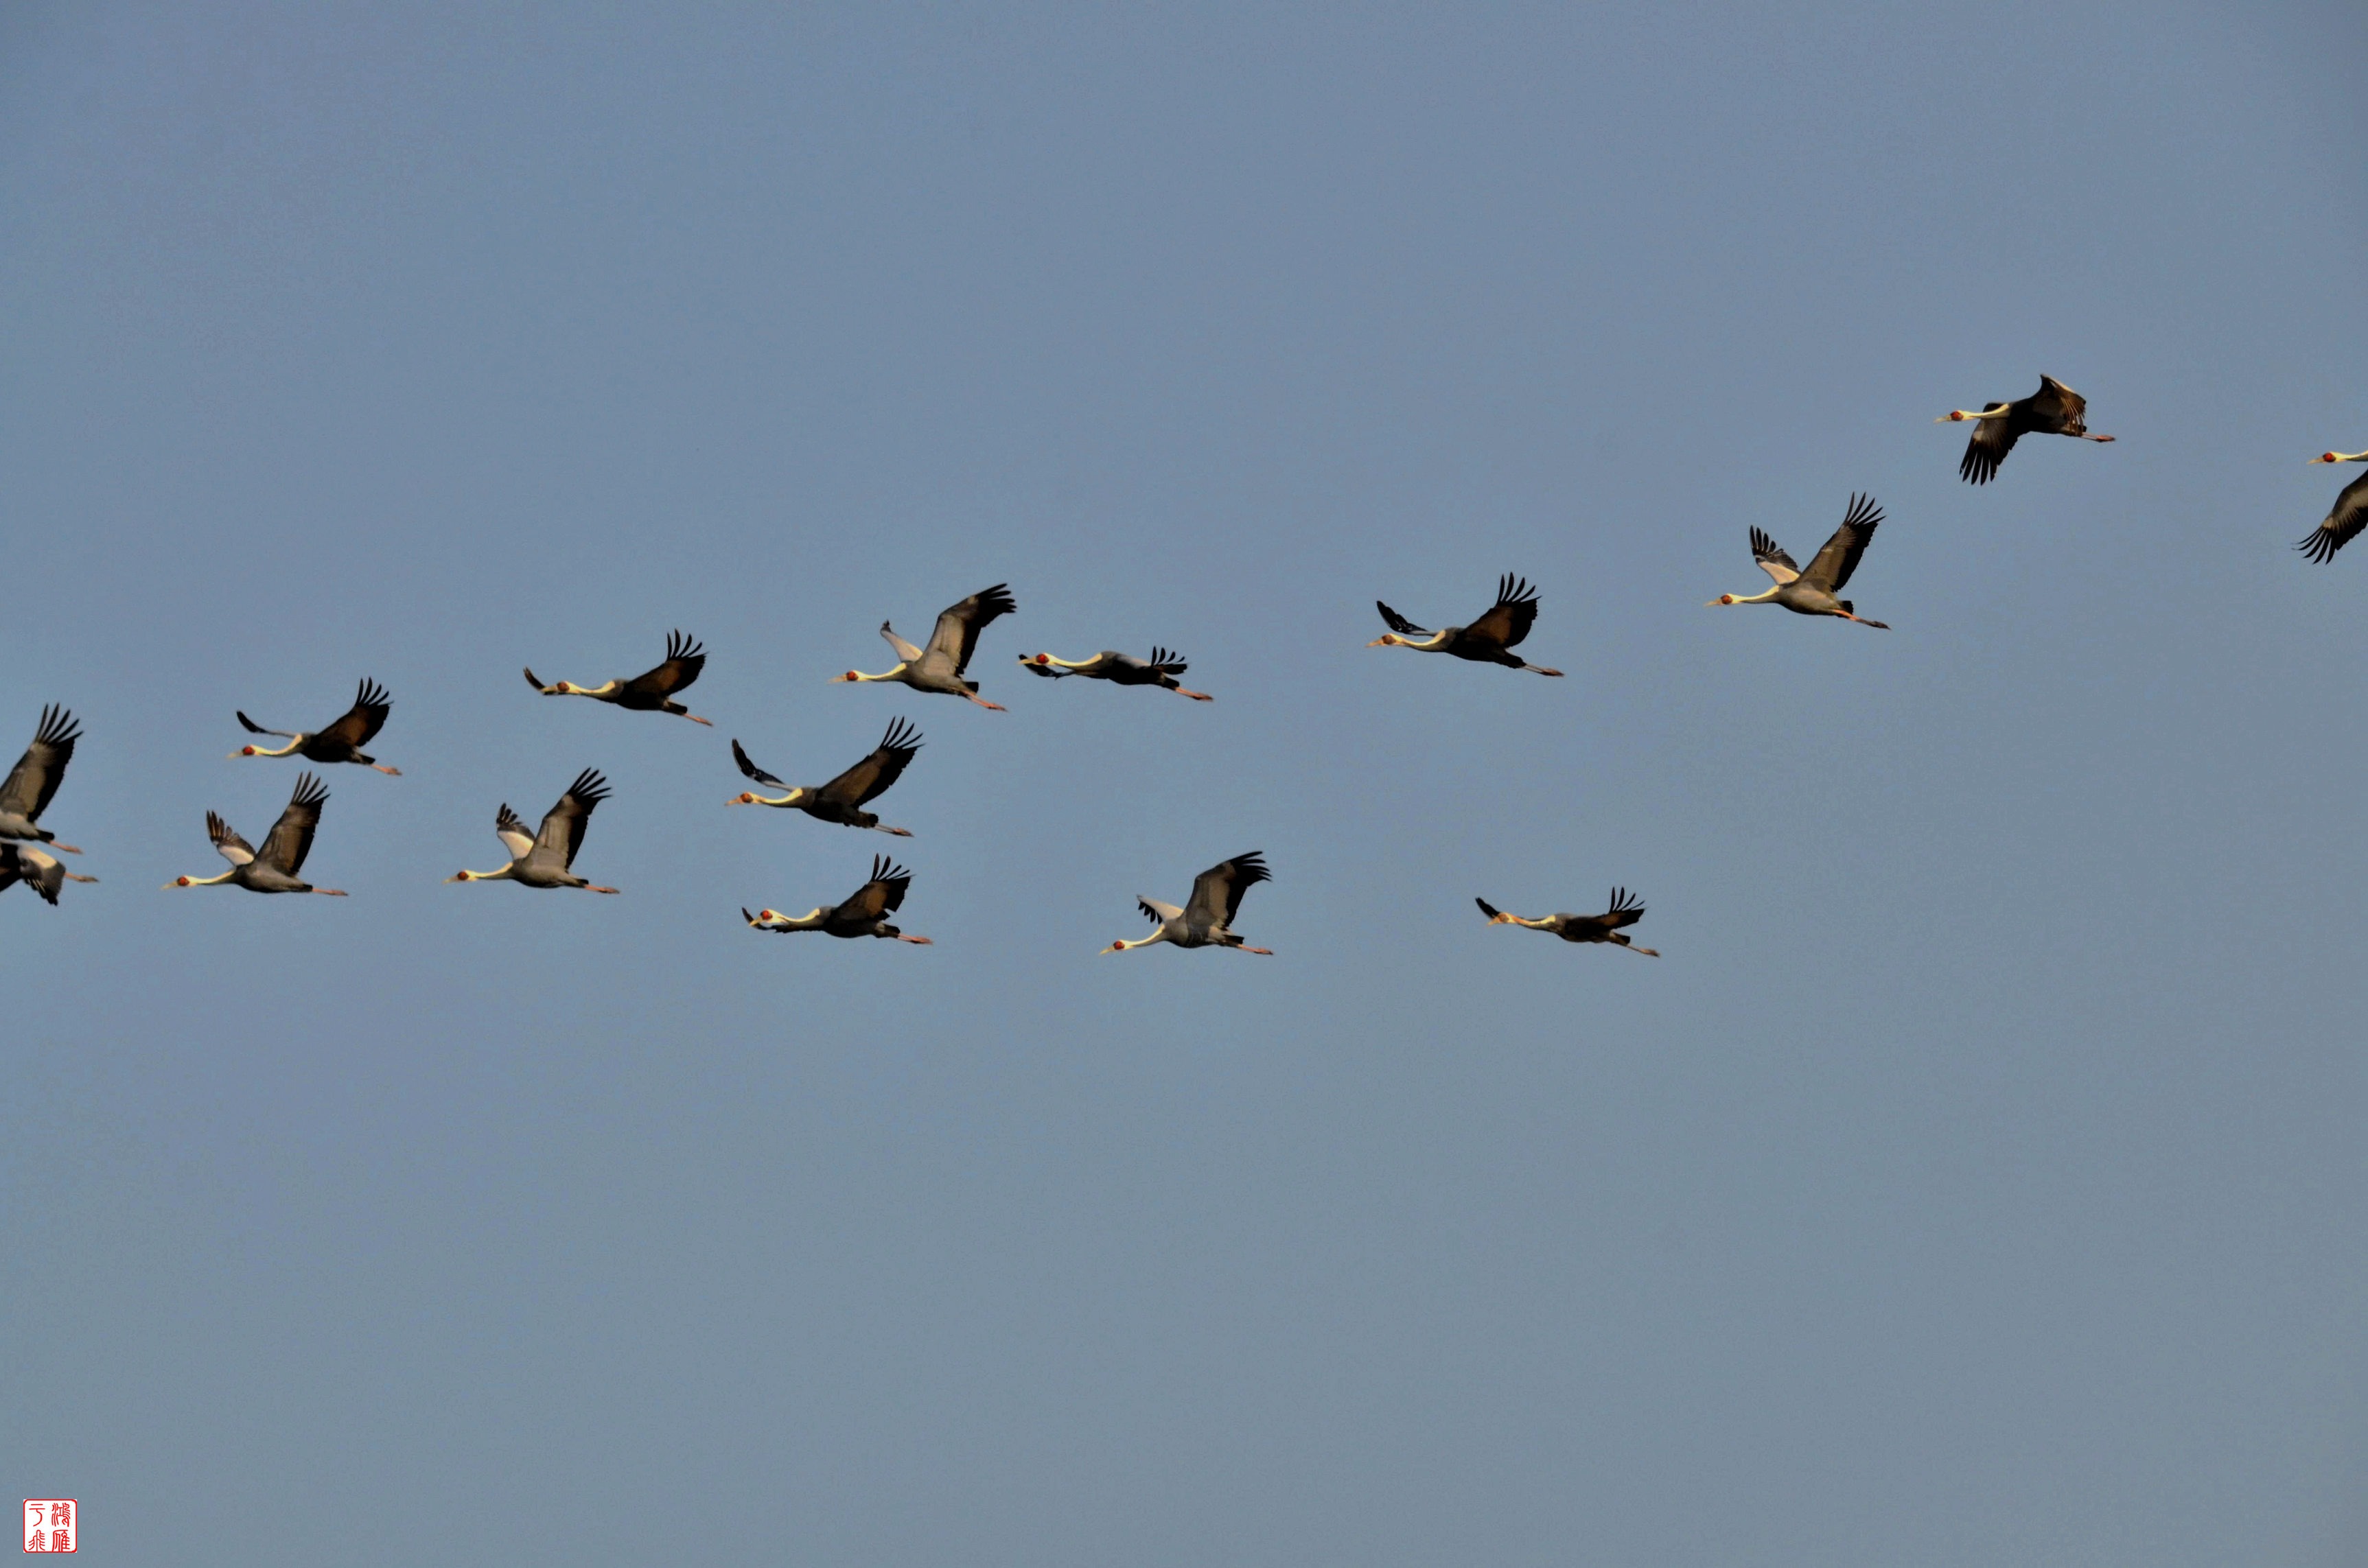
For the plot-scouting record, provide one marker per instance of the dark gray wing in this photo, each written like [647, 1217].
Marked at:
[1992, 439]
[882, 896]
[364, 718]
[1508, 620]
[291, 836]
[1217, 892]
[34, 782]
[2343, 525]
[2055, 409]
[564, 826]
[684, 660]
[1399, 623]
[956, 635]
[753, 771]
[874, 774]
[1832, 568]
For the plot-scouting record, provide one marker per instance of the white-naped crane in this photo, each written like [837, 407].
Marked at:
[2348, 517]
[840, 800]
[939, 667]
[1120, 669]
[2054, 410]
[651, 691]
[1488, 641]
[1207, 921]
[273, 868]
[541, 859]
[864, 913]
[42, 873]
[1813, 592]
[1603, 928]
[341, 741]
[34, 782]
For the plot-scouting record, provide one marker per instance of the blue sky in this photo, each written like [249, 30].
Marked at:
[1975, 1179]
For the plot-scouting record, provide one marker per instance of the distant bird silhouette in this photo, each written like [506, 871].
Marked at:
[34, 782]
[841, 799]
[939, 667]
[24, 863]
[1207, 921]
[2348, 517]
[274, 867]
[651, 691]
[1603, 928]
[543, 860]
[864, 913]
[1120, 669]
[2054, 410]
[1812, 592]
[1486, 641]
[339, 741]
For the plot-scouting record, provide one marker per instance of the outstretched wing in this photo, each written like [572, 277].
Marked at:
[290, 839]
[684, 660]
[905, 650]
[1625, 911]
[752, 770]
[34, 780]
[1167, 663]
[564, 826]
[883, 894]
[1772, 559]
[1832, 568]
[2343, 525]
[255, 729]
[364, 718]
[959, 625]
[511, 829]
[1992, 439]
[1508, 620]
[44, 875]
[1158, 913]
[1217, 892]
[1399, 623]
[227, 843]
[1490, 909]
[2057, 407]
[875, 773]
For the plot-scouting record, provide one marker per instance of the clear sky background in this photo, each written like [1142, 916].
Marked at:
[1977, 1180]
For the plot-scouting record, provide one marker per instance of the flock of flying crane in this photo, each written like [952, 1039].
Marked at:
[546, 858]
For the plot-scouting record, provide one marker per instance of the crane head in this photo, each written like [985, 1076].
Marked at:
[461, 877]
[246, 751]
[1386, 640]
[835, 679]
[1721, 599]
[1118, 947]
[180, 881]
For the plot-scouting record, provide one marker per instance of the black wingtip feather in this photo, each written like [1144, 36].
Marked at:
[57, 727]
